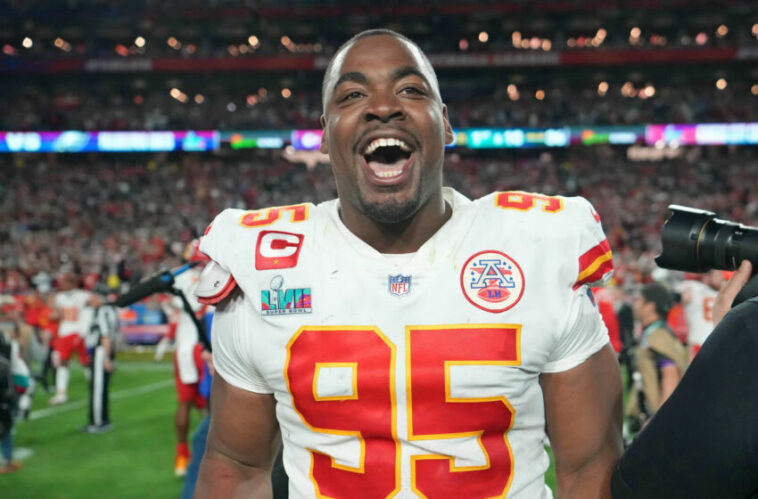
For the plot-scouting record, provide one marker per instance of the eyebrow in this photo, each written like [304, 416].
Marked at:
[399, 73]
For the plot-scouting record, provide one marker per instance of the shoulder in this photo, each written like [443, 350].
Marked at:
[662, 339]
[234, 226]
[242, 242]
[539, 207]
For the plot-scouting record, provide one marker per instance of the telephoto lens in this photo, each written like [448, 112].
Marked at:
[695, 241]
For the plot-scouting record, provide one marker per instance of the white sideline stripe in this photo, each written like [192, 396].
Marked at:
[121, 394]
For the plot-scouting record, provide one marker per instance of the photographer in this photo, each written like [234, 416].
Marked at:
[703, 442]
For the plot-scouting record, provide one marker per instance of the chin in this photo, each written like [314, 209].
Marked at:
[390, 211]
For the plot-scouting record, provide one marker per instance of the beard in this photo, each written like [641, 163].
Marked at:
[391, 211]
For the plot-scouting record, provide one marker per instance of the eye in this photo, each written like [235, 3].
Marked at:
[412, 90]
[354, 94]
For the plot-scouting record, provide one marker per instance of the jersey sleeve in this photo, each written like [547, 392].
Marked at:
[584, 334]
[216, 281]
[233, 353]
[595, 259]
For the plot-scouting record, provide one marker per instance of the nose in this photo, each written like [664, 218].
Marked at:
[384, 107]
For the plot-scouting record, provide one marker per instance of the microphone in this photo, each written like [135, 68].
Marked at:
[160, 282]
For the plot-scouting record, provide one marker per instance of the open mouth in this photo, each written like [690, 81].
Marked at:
[387, 158]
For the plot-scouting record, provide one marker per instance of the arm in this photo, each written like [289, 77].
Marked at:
[105, 342]
[669, 379]
[583, 414]
[242, 444]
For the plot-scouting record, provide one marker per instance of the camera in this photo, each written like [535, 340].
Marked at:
[695, 240]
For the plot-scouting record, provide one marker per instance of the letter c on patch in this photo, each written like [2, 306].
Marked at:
[277, 250]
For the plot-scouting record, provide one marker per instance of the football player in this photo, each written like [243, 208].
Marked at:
[188, 363]
[698, 297]
[403, 340]
[73, 308]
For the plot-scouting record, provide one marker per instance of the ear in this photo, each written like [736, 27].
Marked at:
[324, 147]
[449, 137]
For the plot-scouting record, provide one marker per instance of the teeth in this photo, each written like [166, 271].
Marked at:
[386, 142]
[388, 174]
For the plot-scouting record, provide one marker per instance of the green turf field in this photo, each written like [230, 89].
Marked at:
[135, 460]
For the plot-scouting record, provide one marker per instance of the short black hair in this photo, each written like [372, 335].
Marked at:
[365, 34]
[660, 296]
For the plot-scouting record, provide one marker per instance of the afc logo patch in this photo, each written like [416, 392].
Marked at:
[492, 281]
[277, 250]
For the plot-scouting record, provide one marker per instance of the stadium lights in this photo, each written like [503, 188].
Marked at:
[516, 39]
[62, 44]
[634, 35]
[179, 95]
[27, 43]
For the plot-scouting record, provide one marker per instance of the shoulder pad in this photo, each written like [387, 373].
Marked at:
[215, 284]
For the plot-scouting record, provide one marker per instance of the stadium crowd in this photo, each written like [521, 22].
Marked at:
[286, 103]
[118, 218]
[223, 28]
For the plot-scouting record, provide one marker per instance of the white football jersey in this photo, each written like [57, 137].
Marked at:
[186, 331]
[76, 316]
[698, 311]
[412, 376]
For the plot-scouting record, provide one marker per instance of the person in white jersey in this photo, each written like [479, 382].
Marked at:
[73, 308]
[188, 362]
[403, 340]
[698, 297]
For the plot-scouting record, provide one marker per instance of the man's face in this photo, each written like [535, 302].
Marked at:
[385, 129]
[641, 307]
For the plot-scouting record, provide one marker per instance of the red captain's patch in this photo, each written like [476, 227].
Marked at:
[277, 250]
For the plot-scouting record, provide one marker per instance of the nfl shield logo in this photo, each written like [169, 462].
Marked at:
[399, 284]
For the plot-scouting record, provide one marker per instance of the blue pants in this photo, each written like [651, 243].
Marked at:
[198, 449]
[6, 445]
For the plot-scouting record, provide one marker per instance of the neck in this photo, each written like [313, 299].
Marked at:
[650, 321]
[401, 237]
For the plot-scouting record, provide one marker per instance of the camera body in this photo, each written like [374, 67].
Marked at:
[696, 240]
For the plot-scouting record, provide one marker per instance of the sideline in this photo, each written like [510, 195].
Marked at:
[79, 404]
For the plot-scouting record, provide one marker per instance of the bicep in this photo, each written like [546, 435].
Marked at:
[243, 425]
[583, 418]
[241, 446]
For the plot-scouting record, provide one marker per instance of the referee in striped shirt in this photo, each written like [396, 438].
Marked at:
[99, 341]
